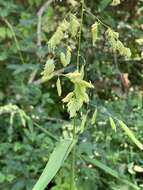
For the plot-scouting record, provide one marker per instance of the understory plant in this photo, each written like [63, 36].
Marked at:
[69, 114]
[70, 29]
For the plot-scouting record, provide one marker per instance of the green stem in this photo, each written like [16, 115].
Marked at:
[15, 39]
[95, 17]
[80, 31]
[72, 182]
[46, 131]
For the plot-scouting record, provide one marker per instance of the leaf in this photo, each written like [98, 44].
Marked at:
[56, 160]
[131, 134]
[59, 88]
[110, 171]
[112, 123]
[94, 31]
[93, 120]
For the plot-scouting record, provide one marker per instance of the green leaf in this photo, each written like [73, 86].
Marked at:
[110, 171]
[112, 123]
[93, 120]
[56, 160]
[59, 88]
[130, 134]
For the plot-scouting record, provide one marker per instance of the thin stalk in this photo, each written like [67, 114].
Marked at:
[72, 181]
[46, 132]
[15, 39]
[94, 16]
[80, 32]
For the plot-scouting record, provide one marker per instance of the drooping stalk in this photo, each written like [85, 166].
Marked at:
[80, 32]
[72, 182]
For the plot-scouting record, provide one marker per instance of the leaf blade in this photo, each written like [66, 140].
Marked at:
[110, 171]
[130, 134]
[56, 159]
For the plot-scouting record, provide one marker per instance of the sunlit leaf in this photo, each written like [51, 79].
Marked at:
[56, 160]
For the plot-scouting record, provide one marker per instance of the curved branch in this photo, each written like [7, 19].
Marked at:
[39, 23]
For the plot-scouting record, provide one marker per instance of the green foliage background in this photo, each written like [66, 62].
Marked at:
[27, 141]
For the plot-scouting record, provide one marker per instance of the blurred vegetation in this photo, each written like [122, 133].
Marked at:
[32, 118]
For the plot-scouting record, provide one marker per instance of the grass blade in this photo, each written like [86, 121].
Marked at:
[130, 134]
[112, 123]
[56, 159]
[110, 171]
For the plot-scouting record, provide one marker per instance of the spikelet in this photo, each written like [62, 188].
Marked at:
[47, 73]
[65, 59]
[94, 31]
[74, 25]
[76, 98]
[68, 55]
[58, 35]
[116, 44]
[59, 88]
